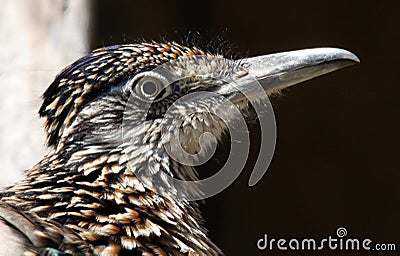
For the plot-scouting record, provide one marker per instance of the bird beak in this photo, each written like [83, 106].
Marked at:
[280, 70]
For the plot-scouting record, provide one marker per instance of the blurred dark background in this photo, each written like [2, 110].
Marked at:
[336, 159]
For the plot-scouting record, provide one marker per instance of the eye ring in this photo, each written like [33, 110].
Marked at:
[150, 86]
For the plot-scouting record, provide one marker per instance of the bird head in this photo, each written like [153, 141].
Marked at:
[125, 122]
[146, 106]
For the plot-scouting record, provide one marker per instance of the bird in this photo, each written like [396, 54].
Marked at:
[104, 187]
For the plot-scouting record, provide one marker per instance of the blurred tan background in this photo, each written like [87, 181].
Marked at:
[337, 157]
[37, 39]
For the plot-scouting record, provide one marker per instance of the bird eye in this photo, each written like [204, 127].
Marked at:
[150, 87]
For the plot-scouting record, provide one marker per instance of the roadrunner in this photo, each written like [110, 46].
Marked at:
[93, 193]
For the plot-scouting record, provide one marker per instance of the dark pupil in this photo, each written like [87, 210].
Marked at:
[149, 88]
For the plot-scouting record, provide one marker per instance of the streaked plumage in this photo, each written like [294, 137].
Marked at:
[84, 197]
[83, 183]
